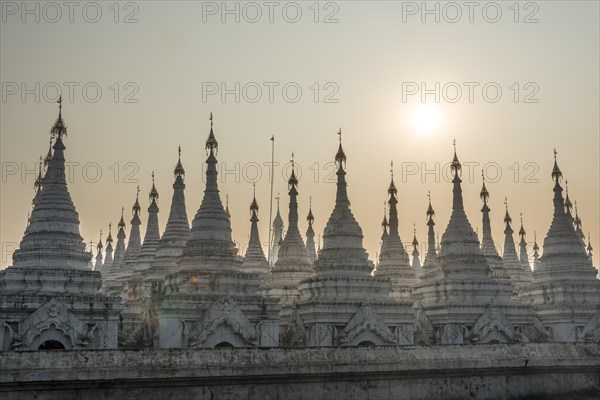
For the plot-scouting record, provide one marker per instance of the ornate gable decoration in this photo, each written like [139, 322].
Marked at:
[366, 318]
[591, 331]
[54, 315]
[223, 311]
[492, 325]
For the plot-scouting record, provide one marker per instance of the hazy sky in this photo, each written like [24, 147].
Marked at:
[357, 67]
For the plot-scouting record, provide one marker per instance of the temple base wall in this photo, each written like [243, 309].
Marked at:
[550, 371]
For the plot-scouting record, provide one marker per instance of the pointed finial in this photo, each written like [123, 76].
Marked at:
[38, 182]
[340, 157]
[136, 206]
[58, 129]
[522, 230]
[484, 194]
[392, 189]
[179, 171]
[430, 212]
[99, 245]
[48, 158]
[568, 204]
[122, 221]
[535, 245]
[577, 220]
[277, 198]
[384, 224]
[415, 242]
[589, 246]
[211, 142]
[153, 192]
[254, 204]
[310, 218]
[109, 238]
[227, 204]
[507, 218]
[455, 165]
[91, 246]
[293, 181]
[556, 174]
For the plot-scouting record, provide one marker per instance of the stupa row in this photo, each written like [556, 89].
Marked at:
[189, 287]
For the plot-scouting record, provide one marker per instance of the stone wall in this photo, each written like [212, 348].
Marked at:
[548, 371]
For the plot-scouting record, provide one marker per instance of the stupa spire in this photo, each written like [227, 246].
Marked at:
[48, 158]
[99, 247]
[211, 143]
[310, 233]
[210, 244]
[255, 259]
[90, 263]
[384, 224]
[568, 205]
[48, 244]
[277, 233]
[431, 256]
[393, 258]
[342, 237]
[340, 156]
[577, 222]
[179, 171]
[178, 227]
[556, 173]
[562, 246]
[519, 274]
[488, 247]
[460, 252]
[135, 238]
[108, 258]
[416, 261]
[536, 254]
[59, 129]
[177, 231]
[292, 251]
[152, 236]
[120, 247]
[523, 256]
[38, 182]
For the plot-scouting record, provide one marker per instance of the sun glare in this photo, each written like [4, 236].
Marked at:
[426, 118]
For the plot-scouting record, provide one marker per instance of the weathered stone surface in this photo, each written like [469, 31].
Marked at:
[391, 372]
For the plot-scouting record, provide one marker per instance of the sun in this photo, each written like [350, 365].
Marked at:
[426, 118]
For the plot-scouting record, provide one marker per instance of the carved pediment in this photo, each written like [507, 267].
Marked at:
[492, 325]
[591, 331]
[223, 311]
[535, 332]
[366, 318]
[55, 315]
